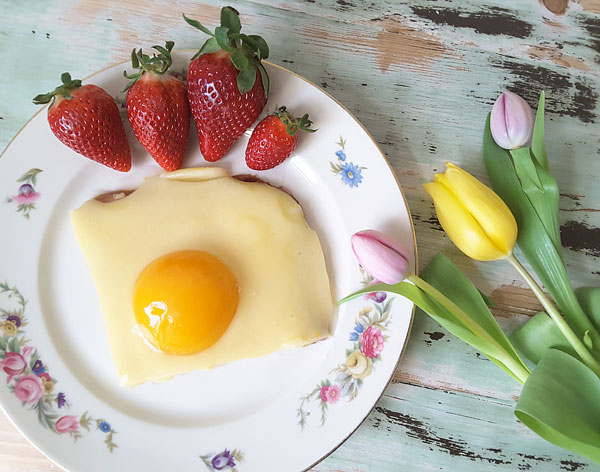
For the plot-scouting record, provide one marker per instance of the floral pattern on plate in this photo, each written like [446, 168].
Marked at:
[350, 173]
[26, 195]
[226, 460]
[368, 341]
[29, 379]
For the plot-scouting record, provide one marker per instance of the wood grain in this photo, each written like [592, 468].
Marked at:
[421, 76]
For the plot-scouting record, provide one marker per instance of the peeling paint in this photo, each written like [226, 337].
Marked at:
[571, 466]
[427, 434]
[579, 236]
[592, 26]
[397, 42]
[492, 21]
[553, 54]
[400, 43]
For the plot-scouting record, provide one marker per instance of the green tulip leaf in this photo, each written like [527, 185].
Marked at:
[472, 322]
[538, 142]
[533, 239]
[589, 298]
[539, 334]
[541, 189]
[525, 168]
[450, 322]
[446, 277]
[560, 403]
[488, 301]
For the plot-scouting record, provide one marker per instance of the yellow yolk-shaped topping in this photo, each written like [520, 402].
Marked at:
[184, 301]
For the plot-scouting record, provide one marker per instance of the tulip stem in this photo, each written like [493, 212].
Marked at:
[519, 370]
[554, 314]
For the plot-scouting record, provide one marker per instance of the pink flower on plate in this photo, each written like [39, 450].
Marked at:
[66, 423]
[330, 393]
[29, 388]
[27, 194]
[45, 376]
[372, 342]
[14, 363]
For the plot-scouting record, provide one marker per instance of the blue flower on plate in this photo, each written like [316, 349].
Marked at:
[38, 367]
[341, 155]
[104, 427]
[351, 174]
[358, 330]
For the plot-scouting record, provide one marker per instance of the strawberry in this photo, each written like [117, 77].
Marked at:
[274, 139]
[87, 120]
[227, 84]
[157, 107]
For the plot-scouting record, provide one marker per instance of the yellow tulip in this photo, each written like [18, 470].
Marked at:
[476, 219]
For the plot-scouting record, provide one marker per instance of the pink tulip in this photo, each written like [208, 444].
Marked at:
[511, 121]
[29, 388]
[380, 255]
[66, 423]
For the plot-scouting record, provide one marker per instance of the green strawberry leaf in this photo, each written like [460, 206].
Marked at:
[222, 37]
[230, 18]
[239, 59]
[246, 50]
[209, 46]
[196, 24]
[263, 48]
[246, 79]
[134, 60]
[62, 90]
[264, 76]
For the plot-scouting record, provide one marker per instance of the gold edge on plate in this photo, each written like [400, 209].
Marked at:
[416, 255]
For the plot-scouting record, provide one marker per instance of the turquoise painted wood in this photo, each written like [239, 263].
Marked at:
[421, 76]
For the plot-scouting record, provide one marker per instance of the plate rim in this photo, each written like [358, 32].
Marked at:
[390, 169]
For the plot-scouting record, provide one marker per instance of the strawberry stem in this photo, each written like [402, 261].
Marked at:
[293, 125]
[157, 64]
[247, 51]
[63, 90]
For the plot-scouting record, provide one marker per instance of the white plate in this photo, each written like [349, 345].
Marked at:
[285, 411]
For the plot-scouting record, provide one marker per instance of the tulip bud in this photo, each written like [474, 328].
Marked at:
[380, 255]
[476, 219]
[511, 121]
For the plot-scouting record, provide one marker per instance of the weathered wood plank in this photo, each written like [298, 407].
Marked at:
[423, 430]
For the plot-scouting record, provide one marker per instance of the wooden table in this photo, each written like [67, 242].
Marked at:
[421, 76]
